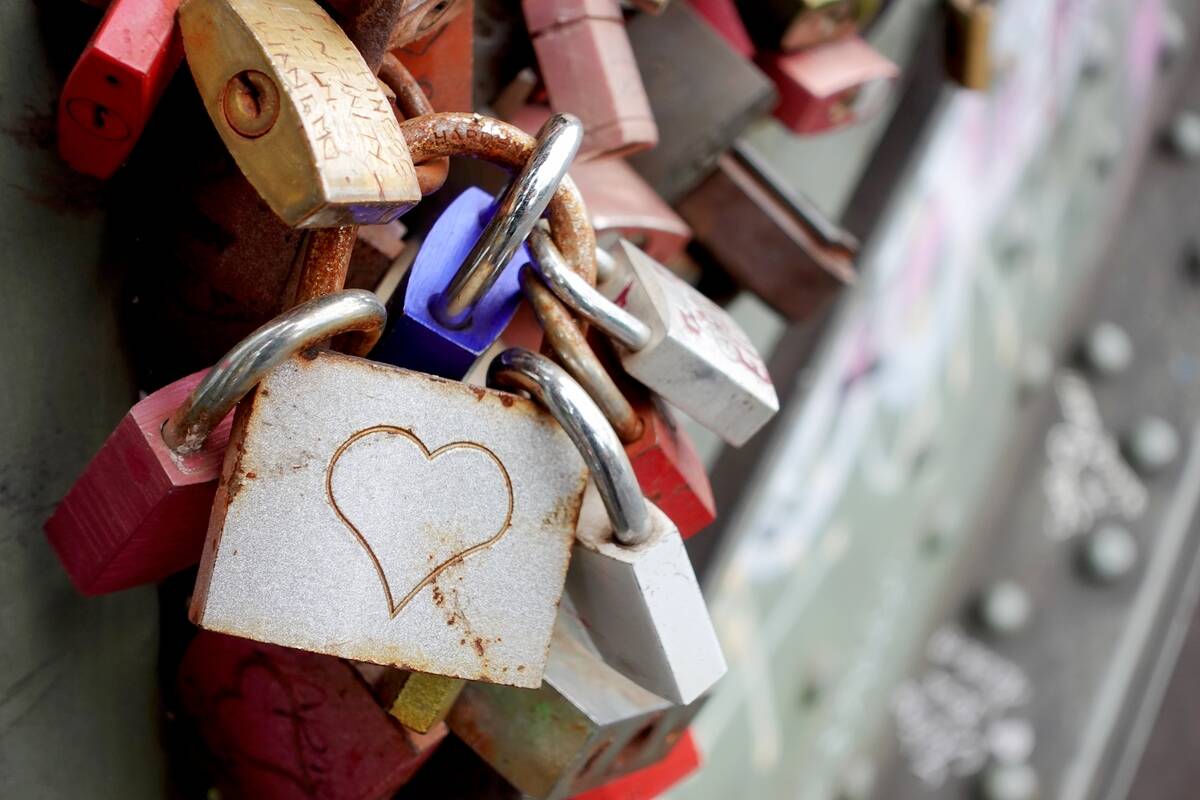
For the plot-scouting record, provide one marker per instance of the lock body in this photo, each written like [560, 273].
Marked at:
[586, 723]
[299, 110]
[139, 512]
[835, 84]
[697, 357]
[442, 61]
[116, 83]
[416, 339]
[668, 468]
[391, 517]
[589, 70]
[642, 606]
[968, 42]
[776, 244]
[654, 780]
[284, 724]
[725, 93]
[723, 17]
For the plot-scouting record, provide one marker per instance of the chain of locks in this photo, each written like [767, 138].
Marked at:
[404, 529]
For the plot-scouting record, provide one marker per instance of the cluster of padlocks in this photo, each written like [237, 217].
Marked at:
[403, 527]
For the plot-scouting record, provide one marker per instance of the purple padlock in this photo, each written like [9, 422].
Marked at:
[462, 289]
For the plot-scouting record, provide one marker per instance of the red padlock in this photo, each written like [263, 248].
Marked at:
[652, 781]
[619, 201]
[829, 86]
[589, 70]
[283, 723]
[140, 510]
[669, 471]
[111, 92]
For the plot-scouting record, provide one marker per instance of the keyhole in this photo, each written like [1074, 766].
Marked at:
[251, 103]
[99, 116]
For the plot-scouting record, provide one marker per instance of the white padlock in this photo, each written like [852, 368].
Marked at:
[671, 338]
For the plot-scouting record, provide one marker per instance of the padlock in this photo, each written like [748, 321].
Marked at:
[569, 734]
[424, 700]
[768, 238]
[387, 516]
[668, 469]
[634, 588]
[968, 42]
[829, 86]
[299, 110]
[652, 781]
[139, 511]
[116, 83]
[283, 724]
[588, 67]
[619, 200]
[442, 62]
[673, 340]
[462, 288]
[792, 25]
[724, 93]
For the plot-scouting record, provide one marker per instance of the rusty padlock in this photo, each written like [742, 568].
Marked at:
[673, 340]
[589, 70]
[283, 724]
[442, 61]
[116, 83]
[139, 511]
[666, 464]
[391, 517]
[571, 733]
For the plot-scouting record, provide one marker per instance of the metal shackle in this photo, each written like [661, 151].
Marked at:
[576, 356]
[626, 329]
[576, 412]
[244, 366]
[459, 133]
[517, 211]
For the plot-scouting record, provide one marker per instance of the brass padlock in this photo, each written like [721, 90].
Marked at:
[968, 42]
[302, 114]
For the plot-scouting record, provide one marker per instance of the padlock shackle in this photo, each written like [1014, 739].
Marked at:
[517, 211]
[577, 357]
[456, 133]
[626, 329]
[244, 366]
[584, 423]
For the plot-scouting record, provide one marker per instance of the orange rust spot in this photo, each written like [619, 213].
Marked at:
[438, 597]
[479, 646]
[452, 619]
[478, 391]
[251, 475]
[506, 400]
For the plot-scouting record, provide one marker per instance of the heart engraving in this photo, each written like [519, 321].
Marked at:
[462, 449]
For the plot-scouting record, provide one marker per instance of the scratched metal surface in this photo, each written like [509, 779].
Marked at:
[78, 711]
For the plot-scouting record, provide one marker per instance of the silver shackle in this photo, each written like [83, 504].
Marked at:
[518, 210]
[577, 413]
[586, 301]
[243, 367]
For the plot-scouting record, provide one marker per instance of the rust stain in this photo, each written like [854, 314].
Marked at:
[439, 598]
[507, 400]
[251, 475]
[479, 648]
[478, 391]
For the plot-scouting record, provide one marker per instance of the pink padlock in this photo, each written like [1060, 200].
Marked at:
[589, 70]
[831, 85]
[618, 199]
[140, 510]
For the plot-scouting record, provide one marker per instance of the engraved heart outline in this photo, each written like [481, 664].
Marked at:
[395, 608]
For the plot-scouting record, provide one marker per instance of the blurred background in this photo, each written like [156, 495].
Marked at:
[963, 561]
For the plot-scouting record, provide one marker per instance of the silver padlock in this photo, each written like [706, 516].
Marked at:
[586, 725]
[386, 516]
[673, 339]
[631, 580]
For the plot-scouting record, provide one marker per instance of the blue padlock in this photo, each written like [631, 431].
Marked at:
[463, 289]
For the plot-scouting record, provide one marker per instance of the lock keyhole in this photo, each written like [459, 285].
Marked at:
[251, 103]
